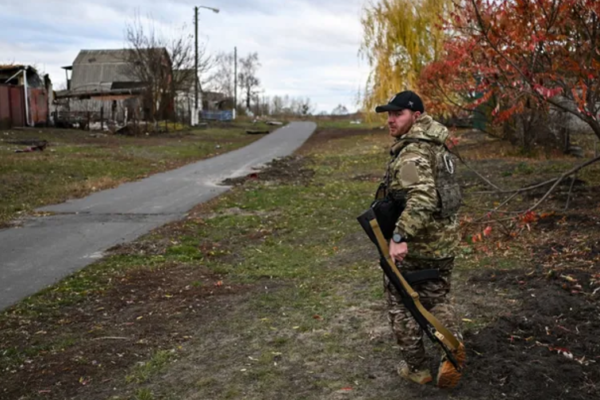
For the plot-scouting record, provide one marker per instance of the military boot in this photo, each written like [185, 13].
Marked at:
[420, 376]
[448, 376]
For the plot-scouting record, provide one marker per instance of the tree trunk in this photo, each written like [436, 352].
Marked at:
[595, 125]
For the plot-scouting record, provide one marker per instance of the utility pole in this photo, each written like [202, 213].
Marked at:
[235, 78]
[216, 11]
[196, 62]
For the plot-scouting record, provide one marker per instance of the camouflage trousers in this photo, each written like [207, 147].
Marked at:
[435, 297]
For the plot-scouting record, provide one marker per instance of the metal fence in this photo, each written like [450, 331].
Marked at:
[12, 106]
[222, 115]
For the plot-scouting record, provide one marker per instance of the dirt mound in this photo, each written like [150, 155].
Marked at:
[322, 136]
[286, 170]
[548, 349]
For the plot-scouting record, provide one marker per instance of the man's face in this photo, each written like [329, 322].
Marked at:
[400, 122]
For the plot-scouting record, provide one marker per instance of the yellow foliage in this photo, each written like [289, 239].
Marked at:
[400, 37]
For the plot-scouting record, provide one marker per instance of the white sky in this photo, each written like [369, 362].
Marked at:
[307, 48]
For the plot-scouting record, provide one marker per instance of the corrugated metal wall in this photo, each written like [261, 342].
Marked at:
[17, 105]
[5, 119]
[38, 100]
[12, 106]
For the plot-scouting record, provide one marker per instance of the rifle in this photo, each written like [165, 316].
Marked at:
[430, 325]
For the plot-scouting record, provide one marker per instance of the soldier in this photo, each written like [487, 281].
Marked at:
[421, 173]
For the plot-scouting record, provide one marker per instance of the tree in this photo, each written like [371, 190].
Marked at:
[249, 82]
[522, 56]
[306, 107]
[222, 77]
[400, 37]
[263, 105]
[162, 64]
[340, 110]
[525, 59]
[277, 105]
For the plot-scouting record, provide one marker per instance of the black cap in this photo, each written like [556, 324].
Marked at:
[401, 101]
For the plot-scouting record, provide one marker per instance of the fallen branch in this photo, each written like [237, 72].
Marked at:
[573, 179]
[499, 206]
[555, 181]
[483, 178]
[490, 210]
[559, 179]
[521, 190]
[111, 338]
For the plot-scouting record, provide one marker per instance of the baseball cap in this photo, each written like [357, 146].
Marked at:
[403, 100]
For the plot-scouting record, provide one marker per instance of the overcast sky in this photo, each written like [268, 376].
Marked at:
[307, 48]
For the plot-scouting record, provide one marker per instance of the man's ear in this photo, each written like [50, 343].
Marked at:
[416, 115]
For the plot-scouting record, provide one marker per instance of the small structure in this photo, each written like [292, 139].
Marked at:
[217, 106]
[216, 101]
[24, 96]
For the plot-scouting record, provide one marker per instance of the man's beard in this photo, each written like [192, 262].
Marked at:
[398, 131]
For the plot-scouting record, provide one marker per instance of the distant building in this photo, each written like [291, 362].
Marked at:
[107, 84]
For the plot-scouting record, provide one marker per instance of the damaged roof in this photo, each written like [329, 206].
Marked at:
[11, 71]
[98, 70]
[16, 67]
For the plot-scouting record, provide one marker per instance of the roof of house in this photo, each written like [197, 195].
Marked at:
[7, 68]
[7, 71]
[97, 70]
[10, 66]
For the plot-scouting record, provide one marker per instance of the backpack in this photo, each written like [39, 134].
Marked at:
[446, 184]
[444, 173]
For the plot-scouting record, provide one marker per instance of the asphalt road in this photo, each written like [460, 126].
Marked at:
[46, 249]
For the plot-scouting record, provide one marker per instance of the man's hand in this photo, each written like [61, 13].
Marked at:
[398, 251]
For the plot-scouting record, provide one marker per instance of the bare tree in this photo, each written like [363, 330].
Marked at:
[306, 107]
[222, 76]
[162, 65]
[277, 105]
[290, 106]
[340, 110]
[249, 82]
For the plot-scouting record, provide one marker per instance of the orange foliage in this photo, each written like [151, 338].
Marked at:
[517, 55]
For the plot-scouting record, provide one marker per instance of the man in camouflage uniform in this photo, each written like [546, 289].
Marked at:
[424, 237]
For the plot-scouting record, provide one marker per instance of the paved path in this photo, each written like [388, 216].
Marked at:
[46, 249]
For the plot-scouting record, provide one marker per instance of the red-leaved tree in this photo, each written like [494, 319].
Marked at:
[520, 55]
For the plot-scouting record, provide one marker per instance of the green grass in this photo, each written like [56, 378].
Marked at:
[145, 370]
[76, 288]
[77, 164]
[347, 124]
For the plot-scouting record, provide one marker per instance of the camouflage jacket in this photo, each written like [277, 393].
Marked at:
[411, 171]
